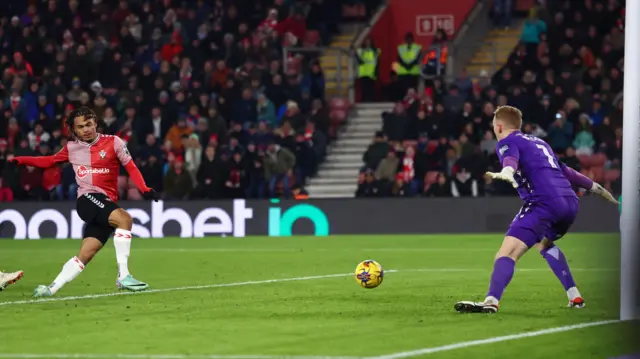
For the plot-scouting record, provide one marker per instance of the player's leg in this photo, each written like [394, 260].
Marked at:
[525, 231]
[94, 238]
[560, 267]
[121, 220]
[503, 269]
[9, 278]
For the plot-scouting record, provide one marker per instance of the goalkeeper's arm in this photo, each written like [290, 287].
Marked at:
[579, 180]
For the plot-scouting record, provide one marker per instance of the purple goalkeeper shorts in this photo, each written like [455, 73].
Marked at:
[549, 219]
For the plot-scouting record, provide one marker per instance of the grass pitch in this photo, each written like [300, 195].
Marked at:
[218, 297]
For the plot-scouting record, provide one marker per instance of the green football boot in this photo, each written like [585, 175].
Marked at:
[132, 284]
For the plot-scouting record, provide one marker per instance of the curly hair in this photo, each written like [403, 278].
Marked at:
[85, 112]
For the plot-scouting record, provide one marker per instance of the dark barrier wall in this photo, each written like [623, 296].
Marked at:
[240, 217]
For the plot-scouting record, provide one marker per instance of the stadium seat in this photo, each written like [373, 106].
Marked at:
[431, 177]
[432, 145]
[123, 183]
[133, 194]
[131, 184]
[338, 117]
[410, 143]
[338, 103]
[598, 173]
[349, 11]
[611, 175]
[311, 38]
[585, 161]
[598, 160]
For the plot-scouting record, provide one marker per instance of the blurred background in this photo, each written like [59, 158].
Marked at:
[310, 98]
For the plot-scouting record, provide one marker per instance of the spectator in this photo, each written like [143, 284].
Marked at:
[367, 186]
[278, 168]
[442, 187]
[209, 176]
[178, 184]
[532, 30]
[400, 187]
[464, 185]
[388, 168]
[367, 56]
[408, 63]
[177, 132]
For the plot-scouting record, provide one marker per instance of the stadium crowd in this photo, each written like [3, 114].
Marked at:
[198, 91]
[566, 77]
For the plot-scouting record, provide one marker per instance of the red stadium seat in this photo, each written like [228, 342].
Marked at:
[585, 161]
[361, 10]
[134, 195]
[432, 145]
[598, 160]
[611, 175]
[410, 143]
[598, 174]
[431, 177]
[311, 38]
[338, 117]
[123, 182]
[131, 184]
[339, 103]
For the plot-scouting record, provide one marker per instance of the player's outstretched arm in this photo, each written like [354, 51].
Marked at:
[578, 179]
[509, 167]
[134, 173]
[43, 161]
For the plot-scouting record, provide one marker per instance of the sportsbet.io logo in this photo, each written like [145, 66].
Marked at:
[84, 171]
[212, 221]
[281, 224]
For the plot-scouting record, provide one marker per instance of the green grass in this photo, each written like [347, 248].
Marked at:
[412, 309]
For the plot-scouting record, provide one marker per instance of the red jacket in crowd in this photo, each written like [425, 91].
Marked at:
[295, 25]
[173, 48]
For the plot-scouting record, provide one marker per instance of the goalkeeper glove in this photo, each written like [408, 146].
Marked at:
[151, 194]
[505, 175]
[601, 191]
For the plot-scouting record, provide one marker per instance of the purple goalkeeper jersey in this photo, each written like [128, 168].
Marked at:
[539, 174]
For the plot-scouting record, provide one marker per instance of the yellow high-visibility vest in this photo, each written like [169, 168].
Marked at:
[369, 59]
[409, 55]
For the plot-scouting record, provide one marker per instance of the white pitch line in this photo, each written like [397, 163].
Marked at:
[472, 343]
[164, 356]
[268, 281]
[399, 355]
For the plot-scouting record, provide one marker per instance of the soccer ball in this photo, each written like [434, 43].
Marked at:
[369, 274]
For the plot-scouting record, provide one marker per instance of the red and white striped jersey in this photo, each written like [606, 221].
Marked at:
[96, 164]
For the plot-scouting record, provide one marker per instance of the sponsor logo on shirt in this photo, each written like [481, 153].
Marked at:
[84, 171]
[503, 149]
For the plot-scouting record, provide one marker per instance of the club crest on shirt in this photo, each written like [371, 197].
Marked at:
[102, 154]
[503, 149]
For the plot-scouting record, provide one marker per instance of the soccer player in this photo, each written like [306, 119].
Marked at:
[96, 160]
[550, 208]
[9, 278]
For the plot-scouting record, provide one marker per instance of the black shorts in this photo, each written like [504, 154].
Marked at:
[94, 209]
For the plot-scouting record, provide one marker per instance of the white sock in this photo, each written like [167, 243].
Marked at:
[491, 300]
[122, 242]
[69, 272]
[573, 293]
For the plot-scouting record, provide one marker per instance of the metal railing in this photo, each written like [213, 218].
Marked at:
[338, 65]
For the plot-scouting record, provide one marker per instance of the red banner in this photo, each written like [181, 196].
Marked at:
[421, 17]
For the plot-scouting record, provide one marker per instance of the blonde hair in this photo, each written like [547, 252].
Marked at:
[509, 115]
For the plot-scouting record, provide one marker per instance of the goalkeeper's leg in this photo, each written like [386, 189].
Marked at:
[503, 269]
[558, 264]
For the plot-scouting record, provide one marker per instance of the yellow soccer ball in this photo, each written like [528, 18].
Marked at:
[369, 274]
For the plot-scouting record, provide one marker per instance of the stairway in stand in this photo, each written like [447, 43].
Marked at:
[338, 175]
